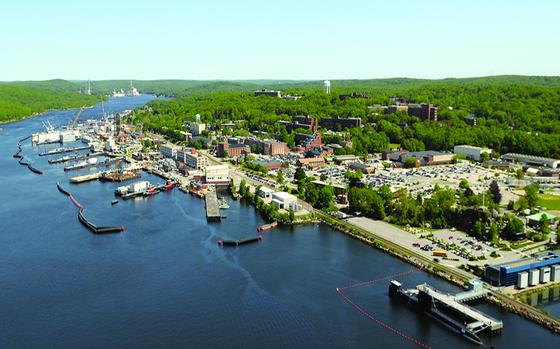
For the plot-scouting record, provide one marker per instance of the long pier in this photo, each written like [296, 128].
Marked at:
[212, 207]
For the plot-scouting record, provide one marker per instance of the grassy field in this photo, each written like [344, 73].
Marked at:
[551, 202]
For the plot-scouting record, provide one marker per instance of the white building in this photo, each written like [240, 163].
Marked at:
[192, 158]
[285, 201]
[217, 174]
[471, 152]
[168, 151]
[265, 192]
[197, 128]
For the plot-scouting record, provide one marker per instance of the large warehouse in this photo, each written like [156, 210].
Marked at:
[541, 263]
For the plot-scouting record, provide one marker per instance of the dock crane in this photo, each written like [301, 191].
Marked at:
[77, 116]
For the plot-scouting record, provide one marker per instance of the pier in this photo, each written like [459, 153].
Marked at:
[480, 321]
[212, 208]
[86, 178]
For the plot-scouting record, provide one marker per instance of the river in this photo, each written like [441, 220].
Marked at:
[165, 283]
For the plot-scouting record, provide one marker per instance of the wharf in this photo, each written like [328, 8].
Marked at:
[119, 176]
[212, 207]
[86, 178]
[480, 320]
[64, 150]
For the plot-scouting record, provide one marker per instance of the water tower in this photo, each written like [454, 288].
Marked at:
[327, 86]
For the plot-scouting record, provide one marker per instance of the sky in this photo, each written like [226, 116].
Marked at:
[287, 39]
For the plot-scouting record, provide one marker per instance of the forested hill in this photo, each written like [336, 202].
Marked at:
[514, 113]
[23, 99]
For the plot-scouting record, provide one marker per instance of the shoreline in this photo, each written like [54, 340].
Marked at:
[501, 300]
[37, 114]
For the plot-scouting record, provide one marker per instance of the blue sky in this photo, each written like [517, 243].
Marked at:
[288, 39]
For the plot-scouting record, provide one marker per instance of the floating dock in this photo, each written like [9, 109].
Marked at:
[86, 178]
[448, 309]
[212, 207]
[239, 242]
[74, 158]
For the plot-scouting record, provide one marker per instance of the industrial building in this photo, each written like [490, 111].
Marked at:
[311, 162]
[531, 160]
[541, 268]
[300, 121]
[471, 152]
[285, 201]
[429, 157]
[217, 174]
[424, 111]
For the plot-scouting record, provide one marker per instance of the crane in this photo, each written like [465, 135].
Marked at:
[78, 116]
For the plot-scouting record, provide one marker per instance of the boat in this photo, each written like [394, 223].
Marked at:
[114, 202]
[118, 93]
[267, 226]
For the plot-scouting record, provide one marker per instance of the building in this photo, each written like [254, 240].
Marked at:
[265, 193]
[308, 141]
[429, 157]
[285, 201]
[364, 168]
[531, 160]
[471, 120]
[311, 162]
[275, 148]
[232, 150]
[168, 151]
[354, 95]
[270, 165]
[339, 159]
[470, 152]
[217, 174]
[535, 220]
[340, 123]
[424, 111]
[192, 158]
[339, 189]
[300, 121]
[270, 93]
[507, 274]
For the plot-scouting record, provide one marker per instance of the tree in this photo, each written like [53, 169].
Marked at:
[478, 229]
[243, 187]
[367, 201]
[519, 174]
[493, 234]
[292, 215]
[410, 162]
[544, 224]
[484, 156]
[325, 197]
[495, 190]
[532, 195]
[464, 184]
[300, 174]
[280, 177]
[514, 226]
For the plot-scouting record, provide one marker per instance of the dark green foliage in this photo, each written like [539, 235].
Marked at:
[495, 190]
[532, 195]
[18, 100]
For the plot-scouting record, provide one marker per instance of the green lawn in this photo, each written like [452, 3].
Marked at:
[551, 202]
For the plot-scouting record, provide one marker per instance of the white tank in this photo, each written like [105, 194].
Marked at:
[545, 275]
[555, 273]
[522, 280]
[327, 86]
[533, 277]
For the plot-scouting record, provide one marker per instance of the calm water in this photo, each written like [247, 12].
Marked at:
[165, 283]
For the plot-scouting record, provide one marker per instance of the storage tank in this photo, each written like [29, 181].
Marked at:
[555, 273]
[533, 277]
[545, 275]
[522, 280]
